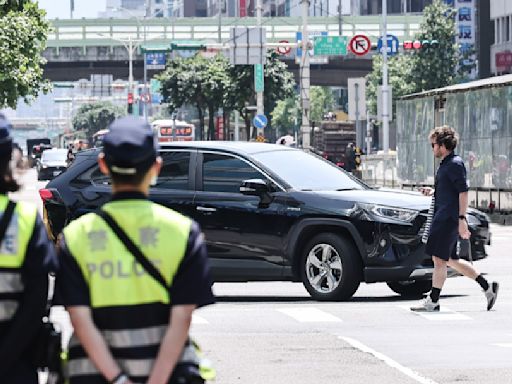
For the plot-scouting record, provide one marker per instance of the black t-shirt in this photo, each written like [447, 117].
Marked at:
[450, 182]
[191, 284]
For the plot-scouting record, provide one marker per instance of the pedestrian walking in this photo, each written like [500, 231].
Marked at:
[128, 327]
[26, 257]
[450, 200]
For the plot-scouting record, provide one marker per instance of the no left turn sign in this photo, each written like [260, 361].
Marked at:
[360, 45]
[283, 50]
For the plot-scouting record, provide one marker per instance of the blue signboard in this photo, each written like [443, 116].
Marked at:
[393, 45]
[156, 60]
[260, 121]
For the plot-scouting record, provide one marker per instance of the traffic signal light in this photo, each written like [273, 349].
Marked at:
[420, 44]
[357, 154]
[130, 103]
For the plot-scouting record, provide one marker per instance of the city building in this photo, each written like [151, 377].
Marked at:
[501, 49]
[188, 8]
[124, 9]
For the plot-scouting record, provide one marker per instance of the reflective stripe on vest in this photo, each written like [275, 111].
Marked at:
[10, 282]
[133, 367]
[113, 276]
[126, 338]
[12, 253]
[7, 309]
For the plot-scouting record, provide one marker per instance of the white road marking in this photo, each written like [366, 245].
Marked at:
[504, 345]
[444, 314]
[199, 320]
[389, 361]
[309, 315]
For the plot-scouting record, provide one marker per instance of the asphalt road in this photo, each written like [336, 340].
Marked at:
[273, 333]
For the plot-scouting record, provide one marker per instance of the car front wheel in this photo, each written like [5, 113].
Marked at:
[330, 268]
[414, 289]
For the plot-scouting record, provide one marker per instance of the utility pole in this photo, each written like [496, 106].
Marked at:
[71, 8]
[259, 96]
[304, 77]
[340, 26]
[219, 37]
[385, 89]
[145, 101]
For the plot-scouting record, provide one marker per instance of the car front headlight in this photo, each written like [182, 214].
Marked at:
[392, 213]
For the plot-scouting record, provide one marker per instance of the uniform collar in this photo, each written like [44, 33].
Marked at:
[128, 196]
[452, 154]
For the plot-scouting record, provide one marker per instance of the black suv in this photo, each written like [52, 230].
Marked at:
[271, 212]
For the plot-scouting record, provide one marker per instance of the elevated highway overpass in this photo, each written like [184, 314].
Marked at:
[78, 48]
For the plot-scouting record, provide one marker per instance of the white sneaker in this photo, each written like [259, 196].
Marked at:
[426, 305]
[492, 294]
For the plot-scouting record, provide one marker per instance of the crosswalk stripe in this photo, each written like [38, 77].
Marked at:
[444, 314]
[309, 315]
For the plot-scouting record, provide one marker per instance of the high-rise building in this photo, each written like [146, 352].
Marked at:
[124, 9]
[189, 8]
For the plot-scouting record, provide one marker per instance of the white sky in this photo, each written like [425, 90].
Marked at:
[83, 8]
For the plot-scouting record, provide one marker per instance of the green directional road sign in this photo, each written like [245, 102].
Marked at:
[330, 46]
[259, 81]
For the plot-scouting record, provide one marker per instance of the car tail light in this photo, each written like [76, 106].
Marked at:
[45, 194]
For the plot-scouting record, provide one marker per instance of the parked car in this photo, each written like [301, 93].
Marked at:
[271, 212]
[52, 163]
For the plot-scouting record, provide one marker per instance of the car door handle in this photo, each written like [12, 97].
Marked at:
[206, 209]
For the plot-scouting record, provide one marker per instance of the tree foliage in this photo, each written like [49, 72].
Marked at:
[321, 102]
[93, 117]
[286, 116]
[437, 67]
[212, 84]
[23, 34]
[422, 69]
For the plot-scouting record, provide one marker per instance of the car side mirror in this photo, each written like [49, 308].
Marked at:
[254, 187]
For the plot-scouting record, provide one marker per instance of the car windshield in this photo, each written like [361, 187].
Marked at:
[307, 172]
[55, 155]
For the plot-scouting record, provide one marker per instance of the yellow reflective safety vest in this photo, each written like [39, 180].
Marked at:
[12, 256]
[129, 307]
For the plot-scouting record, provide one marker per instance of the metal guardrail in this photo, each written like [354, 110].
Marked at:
[485, 199]
[104, 32]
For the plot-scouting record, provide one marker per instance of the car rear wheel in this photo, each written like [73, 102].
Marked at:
[330, 268]
[414, 288]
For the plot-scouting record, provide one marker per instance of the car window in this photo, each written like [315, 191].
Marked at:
[96, 176]
[307, 172]
[224, 173]
[55, 155]
[174, 172]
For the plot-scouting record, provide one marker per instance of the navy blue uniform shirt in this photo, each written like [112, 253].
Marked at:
[450, 182]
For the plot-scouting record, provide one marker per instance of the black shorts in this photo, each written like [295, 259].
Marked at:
[442, 240]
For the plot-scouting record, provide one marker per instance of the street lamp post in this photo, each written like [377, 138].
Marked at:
[131, 49]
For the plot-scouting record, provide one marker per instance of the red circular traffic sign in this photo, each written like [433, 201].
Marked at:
[360, 45]
[283, 50]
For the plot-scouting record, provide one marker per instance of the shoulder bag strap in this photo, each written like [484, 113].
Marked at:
[134, 250]
[6, 219]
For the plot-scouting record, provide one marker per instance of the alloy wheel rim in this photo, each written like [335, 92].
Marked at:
[324, 268]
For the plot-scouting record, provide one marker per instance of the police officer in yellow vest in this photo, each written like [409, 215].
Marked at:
[128, 327]
[26, 257]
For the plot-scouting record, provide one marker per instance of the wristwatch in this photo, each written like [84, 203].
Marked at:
[462, 217]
